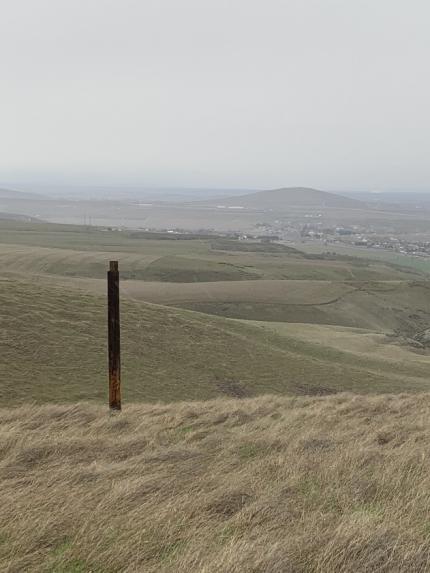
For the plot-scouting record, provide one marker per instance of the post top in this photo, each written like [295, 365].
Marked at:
[113, 265]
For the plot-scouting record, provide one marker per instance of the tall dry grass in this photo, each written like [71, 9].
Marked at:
[271, 484]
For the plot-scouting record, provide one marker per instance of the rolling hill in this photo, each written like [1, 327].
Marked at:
[286, 197]
[325, 324]
[85, 253]
[392, 305]
[53, 349]
[237, 448]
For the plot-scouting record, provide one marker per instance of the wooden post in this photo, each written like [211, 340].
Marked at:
[114, 337]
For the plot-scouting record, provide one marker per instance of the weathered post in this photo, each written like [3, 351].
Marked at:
[114, 337]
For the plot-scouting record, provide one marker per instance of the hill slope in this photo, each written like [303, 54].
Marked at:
[273, 484]
[53, 348]
[401, 306]
[281, 199]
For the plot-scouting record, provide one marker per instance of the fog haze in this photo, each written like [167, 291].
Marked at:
[249, 94]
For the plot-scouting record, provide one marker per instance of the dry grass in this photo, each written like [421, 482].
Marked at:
[270, 484]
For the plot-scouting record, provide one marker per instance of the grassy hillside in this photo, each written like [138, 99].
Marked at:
[53, 348]
[147, 265]
[291, 485]
[402, 306]
[53, 318]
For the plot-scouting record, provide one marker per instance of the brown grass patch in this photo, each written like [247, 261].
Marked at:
[307, 484]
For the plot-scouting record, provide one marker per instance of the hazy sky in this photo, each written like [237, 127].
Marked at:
[235, 93]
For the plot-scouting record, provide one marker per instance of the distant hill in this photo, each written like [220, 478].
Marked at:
[19, 195]
[287, 197]
[18, 217]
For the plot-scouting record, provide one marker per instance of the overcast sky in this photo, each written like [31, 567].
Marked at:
[218, 93]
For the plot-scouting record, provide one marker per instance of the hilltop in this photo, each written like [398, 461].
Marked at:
[286, 485]
[286, 197]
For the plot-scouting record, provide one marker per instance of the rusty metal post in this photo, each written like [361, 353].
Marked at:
[114, 337]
